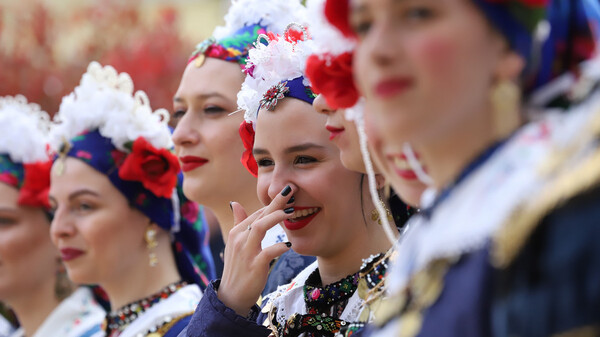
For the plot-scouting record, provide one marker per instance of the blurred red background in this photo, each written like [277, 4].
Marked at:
[45, 48]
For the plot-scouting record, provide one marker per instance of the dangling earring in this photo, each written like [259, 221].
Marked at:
[375, 214]
[151, 243]
[62, 286]
[506, 101]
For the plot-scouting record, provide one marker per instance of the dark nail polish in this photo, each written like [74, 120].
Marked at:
[288, 244]
[292, 199]
[286, 191]
[289, 210]
[231, 205]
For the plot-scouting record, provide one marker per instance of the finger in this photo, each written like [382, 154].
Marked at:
[260, 227]
[270, 253]
[281, 199]
[240, 219]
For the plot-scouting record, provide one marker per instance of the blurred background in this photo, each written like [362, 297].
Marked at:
[46, 45]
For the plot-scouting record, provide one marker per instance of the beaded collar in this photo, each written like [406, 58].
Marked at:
[117, 321]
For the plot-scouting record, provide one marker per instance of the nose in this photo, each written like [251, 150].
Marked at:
[185, 134]
[61, 226]
[377, 43]
[280, 178]
[321, 106]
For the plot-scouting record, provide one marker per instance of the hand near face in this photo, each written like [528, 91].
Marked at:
[246, 264]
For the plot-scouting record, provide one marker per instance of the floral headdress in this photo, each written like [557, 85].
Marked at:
[244, 22]
[554, 37]
[330, 69]
[115, 131]
[24, 160]
[274, 70]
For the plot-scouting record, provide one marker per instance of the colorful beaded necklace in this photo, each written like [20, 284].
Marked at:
[117, 321]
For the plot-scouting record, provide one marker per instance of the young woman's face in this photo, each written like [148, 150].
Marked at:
[344, 135]
[206, 138]
[27, 256]
[99, 235]
[425, 66]
[292, 146]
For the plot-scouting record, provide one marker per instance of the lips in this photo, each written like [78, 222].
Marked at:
[68, 254]
[402, 167]
[334, 132]
[301, 217]
[189, 163]
[392, 87]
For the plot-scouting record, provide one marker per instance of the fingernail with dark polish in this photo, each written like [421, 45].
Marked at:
[288, 244]
[292, 199]
[289, 210]
[286, 191]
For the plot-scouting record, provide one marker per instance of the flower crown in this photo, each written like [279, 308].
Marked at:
[269, 65]
[24, 129]
[104, 102]
[330, 69]
[245, 20]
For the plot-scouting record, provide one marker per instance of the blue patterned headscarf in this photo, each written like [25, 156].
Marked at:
[554, 36]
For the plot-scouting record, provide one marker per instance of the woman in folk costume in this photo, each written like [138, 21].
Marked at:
[33, 281]
[207, 140]
[506, 243]
[319, 203]
[120, 221]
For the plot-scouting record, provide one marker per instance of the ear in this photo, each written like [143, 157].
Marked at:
[510, 67]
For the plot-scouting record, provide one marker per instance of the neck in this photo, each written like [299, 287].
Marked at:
[369, 240]
[34, 307]
[224, 215]
[448, 157]
[144, 280]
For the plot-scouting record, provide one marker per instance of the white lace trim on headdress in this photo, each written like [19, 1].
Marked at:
[24, 129]
[328, 39]
[278, 61]
[274, 15]
[105, 100]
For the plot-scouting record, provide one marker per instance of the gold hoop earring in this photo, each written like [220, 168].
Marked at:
[506, 101]
[151, 244]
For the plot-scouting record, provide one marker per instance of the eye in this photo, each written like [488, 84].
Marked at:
[178, 113]
[7, 221]
[213, 109]
[304, 160]
[264, 162]
[83, 207]
[419, 13]
[361, 26]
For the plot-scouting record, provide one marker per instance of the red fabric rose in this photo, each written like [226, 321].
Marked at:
[155, 168]
[217, 51]
[247, 135]
[36, 185]
[332, 77]
[337, 12]
[529, 3]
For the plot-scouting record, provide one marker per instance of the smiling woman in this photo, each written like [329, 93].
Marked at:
[120, 220]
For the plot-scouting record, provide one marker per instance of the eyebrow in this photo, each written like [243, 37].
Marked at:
[291, 149]
[8, 209]
[201, 97]
[76, 194]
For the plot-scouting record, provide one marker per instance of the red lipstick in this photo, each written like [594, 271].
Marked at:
[189, 163]
[301, 221]
[68, 254]
[334, 132]
[402, 167]
[392, 87]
